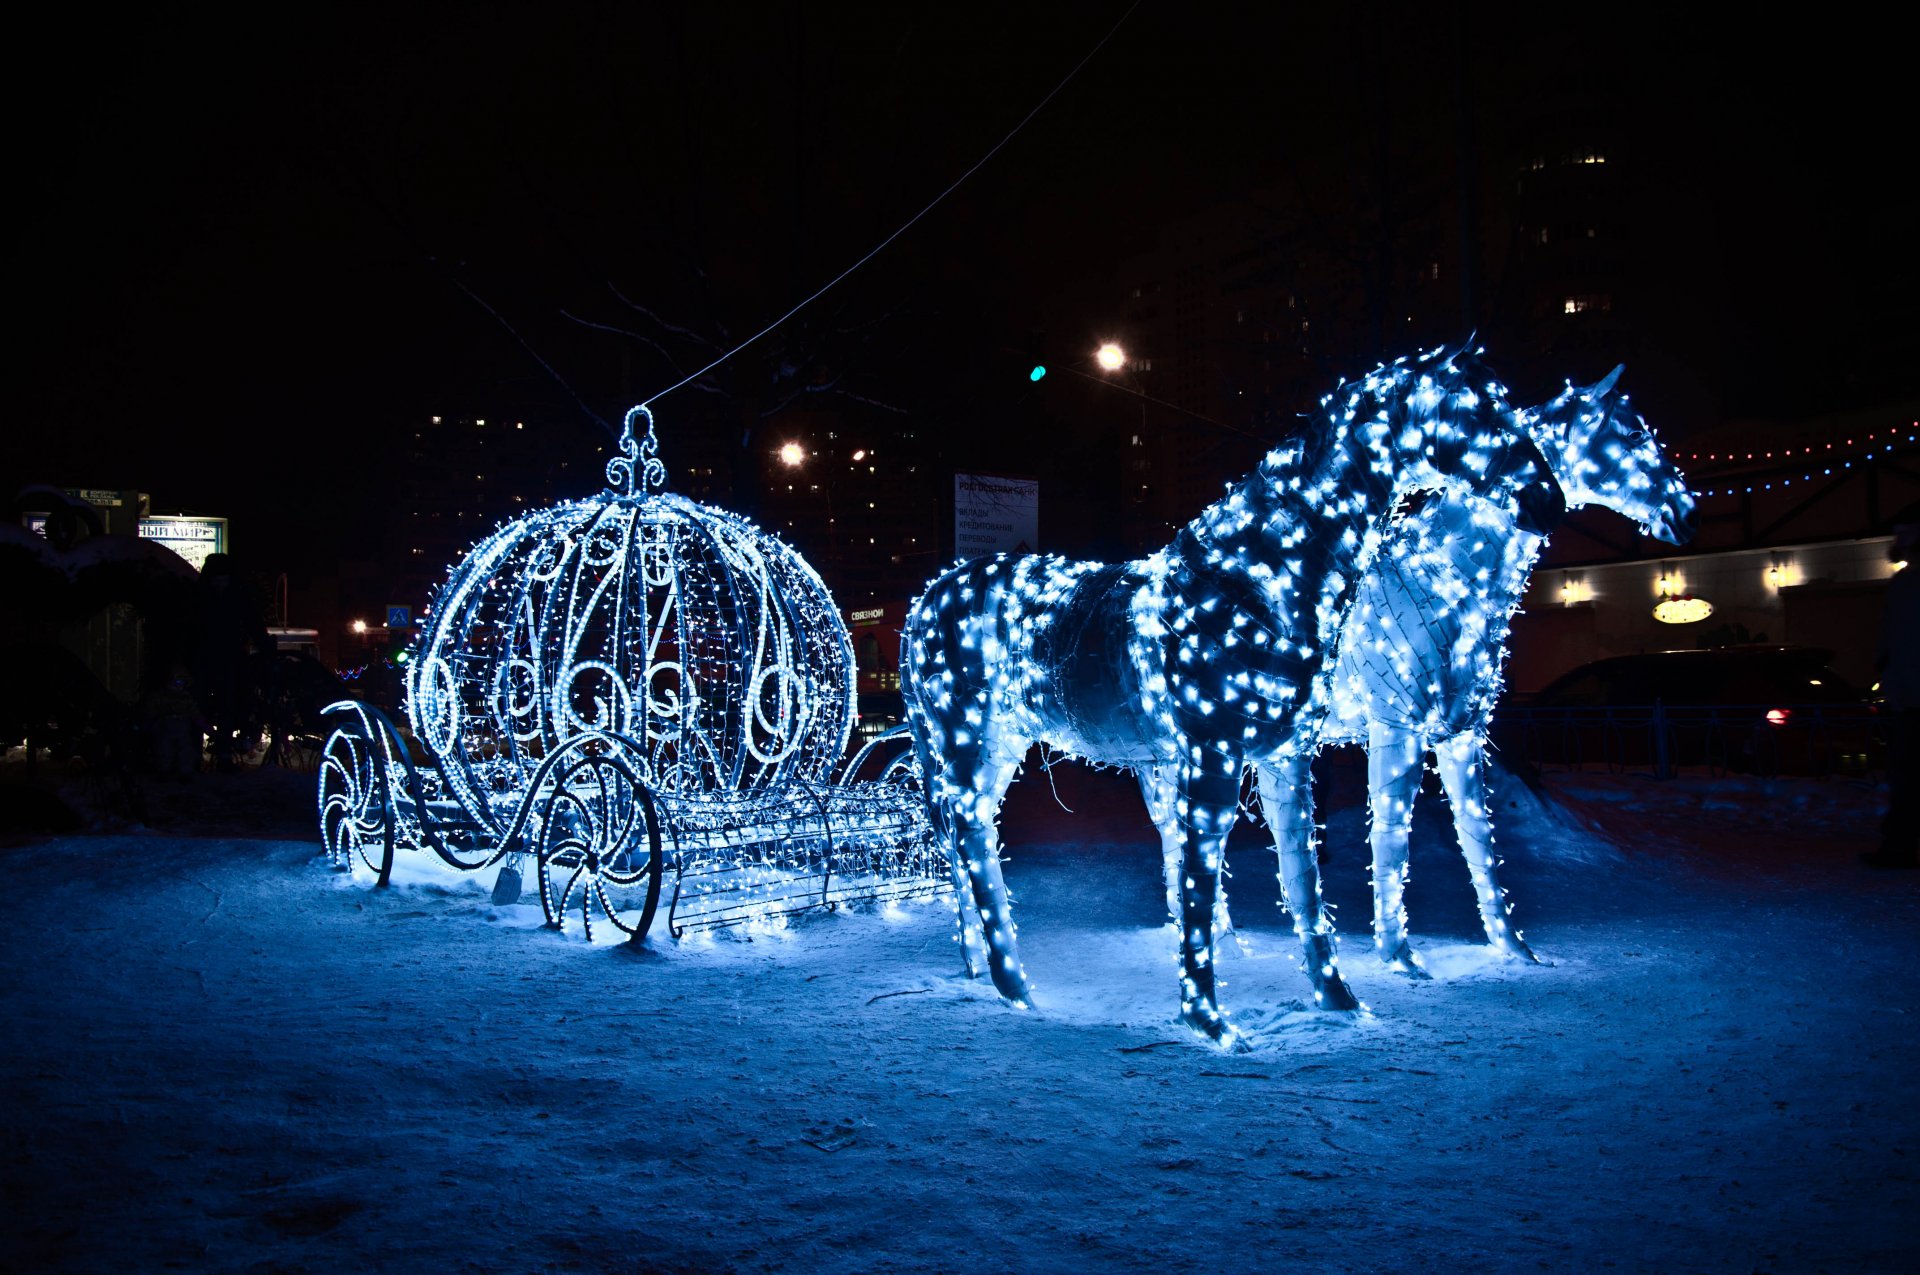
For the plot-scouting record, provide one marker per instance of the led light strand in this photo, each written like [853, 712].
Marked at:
[1787, 453]
[1421, 654]
[1828, 471]
[1206, 657]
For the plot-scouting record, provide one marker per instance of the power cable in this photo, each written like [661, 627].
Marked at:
[831, 283]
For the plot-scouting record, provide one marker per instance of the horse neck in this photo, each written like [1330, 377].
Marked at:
[1308, 518]
[1482, 543]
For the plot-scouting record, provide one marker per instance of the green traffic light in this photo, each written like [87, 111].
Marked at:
[1038, 372]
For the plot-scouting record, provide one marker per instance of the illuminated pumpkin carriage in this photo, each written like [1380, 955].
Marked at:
[624, 691]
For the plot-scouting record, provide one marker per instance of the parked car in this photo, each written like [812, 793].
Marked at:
[1765, 709]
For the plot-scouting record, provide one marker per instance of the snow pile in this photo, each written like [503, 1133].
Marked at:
[224, 1057]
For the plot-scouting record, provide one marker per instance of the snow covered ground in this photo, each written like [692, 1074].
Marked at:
[221, 1056]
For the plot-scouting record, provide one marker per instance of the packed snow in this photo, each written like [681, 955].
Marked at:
[223, 1056]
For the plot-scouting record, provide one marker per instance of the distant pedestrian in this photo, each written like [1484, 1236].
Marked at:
[1900, 687]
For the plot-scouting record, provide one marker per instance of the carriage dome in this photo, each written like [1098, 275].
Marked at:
[710, 643]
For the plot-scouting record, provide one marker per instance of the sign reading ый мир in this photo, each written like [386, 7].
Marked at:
[195, 539]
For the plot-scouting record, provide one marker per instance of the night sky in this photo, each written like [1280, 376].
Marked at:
[249, 250]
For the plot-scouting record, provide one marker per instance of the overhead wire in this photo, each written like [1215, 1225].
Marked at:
[909, 223]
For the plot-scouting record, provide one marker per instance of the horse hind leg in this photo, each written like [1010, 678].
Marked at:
[978, 773]
[1463, 774]
[1393, 784]
[1210, 804]
[941, 793]
[1286, 795]
[1162, 797]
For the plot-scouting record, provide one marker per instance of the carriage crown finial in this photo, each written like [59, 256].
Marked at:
[644, 452]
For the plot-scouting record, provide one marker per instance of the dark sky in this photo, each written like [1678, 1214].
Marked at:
[248, 249]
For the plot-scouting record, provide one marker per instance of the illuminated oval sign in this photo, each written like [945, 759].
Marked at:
[1682, 610]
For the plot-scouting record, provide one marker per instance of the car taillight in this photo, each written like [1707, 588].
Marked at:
[1777, 716]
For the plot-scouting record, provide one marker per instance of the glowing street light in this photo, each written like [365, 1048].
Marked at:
[359, 626]
[792, 454]
[1110, 357]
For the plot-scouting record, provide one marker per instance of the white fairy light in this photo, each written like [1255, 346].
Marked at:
[615, 682]
[1420, 668]
[638, 613]
[1132, 664]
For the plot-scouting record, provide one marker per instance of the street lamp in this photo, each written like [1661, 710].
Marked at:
[792, 454]
[1110, 357]
[359, 626]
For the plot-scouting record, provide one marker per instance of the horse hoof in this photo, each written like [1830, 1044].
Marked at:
[1014, 991]
[1329, 992]
[1406, 962]
[1213, 1026]
[1517, 949]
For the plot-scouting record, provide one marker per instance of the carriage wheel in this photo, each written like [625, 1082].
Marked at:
[599, 848]
[355, 824]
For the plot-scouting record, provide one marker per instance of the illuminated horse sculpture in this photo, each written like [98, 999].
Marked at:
[1419, 658]
[1188, 666]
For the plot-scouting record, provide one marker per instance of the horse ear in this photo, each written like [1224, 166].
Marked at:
[1605, 385]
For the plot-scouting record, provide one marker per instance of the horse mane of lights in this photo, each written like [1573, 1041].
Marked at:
[640, 614]
[1420, 658]
[1211, 655]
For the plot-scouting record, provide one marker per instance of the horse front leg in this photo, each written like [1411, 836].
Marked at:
[1203, 815]
[1463, 774]
[1393, 785]
[1286, 794]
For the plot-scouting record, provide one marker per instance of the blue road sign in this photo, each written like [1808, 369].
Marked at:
[399, 617]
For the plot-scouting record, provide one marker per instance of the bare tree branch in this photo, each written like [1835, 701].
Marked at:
[674, 328]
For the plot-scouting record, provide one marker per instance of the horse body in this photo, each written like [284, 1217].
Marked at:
[1419, 663]
[1187, 666]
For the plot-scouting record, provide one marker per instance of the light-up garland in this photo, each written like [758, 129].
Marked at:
[618, 681]
[1420, 656]
[1188, 666]
[1787, 453]
[1826, 471]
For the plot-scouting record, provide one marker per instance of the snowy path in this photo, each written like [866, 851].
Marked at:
[222, 1057]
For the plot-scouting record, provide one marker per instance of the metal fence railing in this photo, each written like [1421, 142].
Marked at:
[1808, 739]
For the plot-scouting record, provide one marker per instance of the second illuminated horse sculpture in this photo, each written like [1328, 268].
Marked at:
[1420, 654]
[1211, 655]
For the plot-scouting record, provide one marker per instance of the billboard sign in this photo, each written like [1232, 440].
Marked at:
[195, 539]
[995, 515]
